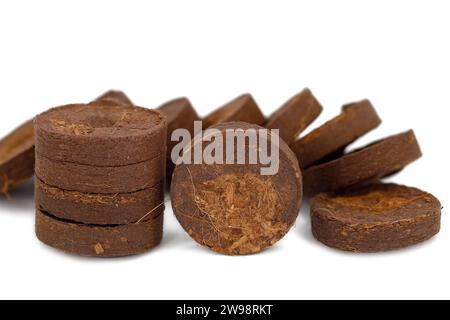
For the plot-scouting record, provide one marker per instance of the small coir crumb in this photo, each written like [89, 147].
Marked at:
[74, 128]
[99, 249]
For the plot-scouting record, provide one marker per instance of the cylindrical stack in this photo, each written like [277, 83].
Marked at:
[100, 178]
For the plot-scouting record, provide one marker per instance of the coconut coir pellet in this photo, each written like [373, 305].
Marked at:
[95, 179]
[355, 120]
[114, 96]
[180, 115]
[295, 115]
[233, 209]
[17, 157]
[369, 163]
[100, 134]
[243, 108]
[99, 209]
[17, 149]
[375, 218]
[99, 241]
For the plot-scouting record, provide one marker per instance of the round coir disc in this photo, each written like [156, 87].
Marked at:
[101, 133]
[375, 218]
[99, 241]
[355, 120]
[232, 208]
[374, 161]
[105, 180]
[244, 108]
[17, 157]
[179, 114]
[295, 115]
[115, 96]
[99, 209]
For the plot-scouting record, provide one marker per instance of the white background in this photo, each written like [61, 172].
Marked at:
[397, 53]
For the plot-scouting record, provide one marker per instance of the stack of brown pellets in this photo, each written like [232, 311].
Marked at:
[100, 178]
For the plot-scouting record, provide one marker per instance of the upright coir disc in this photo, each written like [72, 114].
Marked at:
[232, 208]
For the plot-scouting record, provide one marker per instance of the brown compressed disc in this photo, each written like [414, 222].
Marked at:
[355, 120]
[116, 97]
[99, 209]
[17, 157]
[99, 241]
[243, 108]
[295, 115]
[17, 149]
[233, 209]
[179, 114]
[101, 134]
[374, 161]
[84, 178]
[375, 218]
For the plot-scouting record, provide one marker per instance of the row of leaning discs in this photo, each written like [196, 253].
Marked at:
[351, 208]
[100, 170]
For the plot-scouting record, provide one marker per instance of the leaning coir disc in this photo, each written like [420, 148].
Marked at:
[374, 161]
